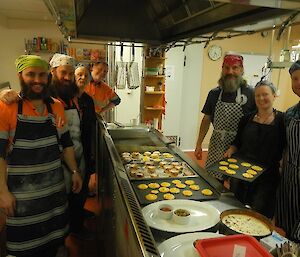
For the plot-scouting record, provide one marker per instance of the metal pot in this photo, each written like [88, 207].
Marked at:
[224, 229]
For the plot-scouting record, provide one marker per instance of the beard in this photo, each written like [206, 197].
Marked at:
[27, 92]
[65, 89]
[230, 83]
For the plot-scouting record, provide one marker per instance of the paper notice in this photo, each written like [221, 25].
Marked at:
[239, 251]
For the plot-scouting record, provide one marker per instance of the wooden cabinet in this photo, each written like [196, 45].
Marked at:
[153, 87]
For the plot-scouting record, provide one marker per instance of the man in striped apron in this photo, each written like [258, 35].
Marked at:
[224, 107]
[288, 199]
[32, 188]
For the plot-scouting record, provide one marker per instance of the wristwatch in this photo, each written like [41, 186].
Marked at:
[75, 171]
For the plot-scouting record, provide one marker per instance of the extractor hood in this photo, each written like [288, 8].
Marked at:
[159, 22]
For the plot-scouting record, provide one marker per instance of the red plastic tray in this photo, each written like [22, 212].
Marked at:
[223, 246]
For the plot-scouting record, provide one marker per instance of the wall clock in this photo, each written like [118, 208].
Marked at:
[214, 52]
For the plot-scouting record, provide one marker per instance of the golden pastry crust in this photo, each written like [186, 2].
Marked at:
[169, 196]
[174, 172]
[223, 163]
[151, 197]
[154, 156]
[252, 172]
[233, 166]
[153, 185]
[232, 160]
[167, 155]
[157, 152]
[246, 164]
[187, 192]
[195, 187]
[174, 190]
[181, 185]
[162, 164]
[165, 184]
[147, 153]
[146, 158]
[142, 186]
[231, 172]
[151, 169]
[139, 174]
[154, 191]
[164, 189]
[247, 175]
[206, 191]
[176, 181]
[189, 182]
[223, 167]
[257, 168]
[153, 175]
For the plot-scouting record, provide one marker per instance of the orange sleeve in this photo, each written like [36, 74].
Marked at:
[109, 92]
[59, 112]
[5, 119]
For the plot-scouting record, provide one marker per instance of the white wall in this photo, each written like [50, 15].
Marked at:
[183, 95]
[13, 33]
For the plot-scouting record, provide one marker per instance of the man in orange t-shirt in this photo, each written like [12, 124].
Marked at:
[105, 98]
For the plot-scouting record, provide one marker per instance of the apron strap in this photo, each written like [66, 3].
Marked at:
[20, 106]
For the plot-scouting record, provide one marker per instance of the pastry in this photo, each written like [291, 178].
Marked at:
[174, 172]
[195, 187]
[154, 156]
[189, 182]
[180, 185]
[154, 185]
[231, 172]
[153, 175]
[165, 184]
[233, 166]
[168, 167]
[157, 160]
[256, 168]
[188, 173]
[223, 163]
[127, 159]
[164, 189]
[178, 167]
[232, 160]
[156, 152]
[176, 181]
[174, 190]
[252, 172]
[206, 192]
[135, 154]
[247, 175]
[151, 197]
[187, 192]
[149, 163]
[142, 186]
[125, 154]
[133, 166]
[139, 174]
[147, 153]
[175, 163]
[162, 164]
[246, 164]
[146, 158]
[154, 191]
[223, 167]
[169, 196]
[151, 169]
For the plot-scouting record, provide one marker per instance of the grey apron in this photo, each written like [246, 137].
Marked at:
[288, 205]
[73, 119]
[226, 121]
[35, 178]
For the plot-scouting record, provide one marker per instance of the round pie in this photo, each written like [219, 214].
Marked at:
[247, 175]
[165, 184]
[164, 189]
[223, 167]
[174, 190]
[180, 185]
[154, 191]
[189, 182]
[246, 164]
[169, 196]
[194, 187]
[256, 168]
[176, 181]
[223, 163]
[232, 160]
[231, 172]
[187, 192]
[252, 172]
[233, 166]
[151, 197]
[154, 185]
[206, 191]
[142, 186]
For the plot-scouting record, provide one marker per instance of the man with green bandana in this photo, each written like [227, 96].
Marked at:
[32, 188]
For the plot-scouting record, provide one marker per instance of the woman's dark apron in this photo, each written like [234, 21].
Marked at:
[35, 178]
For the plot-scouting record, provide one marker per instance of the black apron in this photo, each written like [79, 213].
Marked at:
[35, 178]
[288, 204]
[259, 144]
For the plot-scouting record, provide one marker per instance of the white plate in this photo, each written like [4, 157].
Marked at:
[182, 245]
[203, 216]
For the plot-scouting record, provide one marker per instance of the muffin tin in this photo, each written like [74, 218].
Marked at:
[240, 167]
[196, 194]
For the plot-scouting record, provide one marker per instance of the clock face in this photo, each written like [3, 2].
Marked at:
[214, 52]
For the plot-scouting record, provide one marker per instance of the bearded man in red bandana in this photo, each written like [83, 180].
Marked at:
[224, 107]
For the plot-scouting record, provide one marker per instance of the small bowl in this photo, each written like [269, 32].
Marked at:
[181, 216]
[165, 211]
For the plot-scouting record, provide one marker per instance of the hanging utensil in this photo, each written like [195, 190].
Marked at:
[133, 78]
[121, 71]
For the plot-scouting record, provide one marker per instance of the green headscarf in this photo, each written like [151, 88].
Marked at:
[26, 61]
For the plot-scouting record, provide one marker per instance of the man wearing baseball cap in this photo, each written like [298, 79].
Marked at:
[224, 107]
[32, 189]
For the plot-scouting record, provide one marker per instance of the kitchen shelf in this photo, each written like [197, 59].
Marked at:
[279, 65]
[155, 92]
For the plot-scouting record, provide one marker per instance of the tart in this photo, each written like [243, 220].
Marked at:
[142, 186]
[206, 191]
[223, 168]
[187, 192]
[195, 187]
[169, 196]
[154, 191]
[153, 185]
[147, 153]
[174, 190]
[256, 168]
[151, 197]
[233, 166]
[246, 164]
[176, 181]
[223, 163]
[247, 175]
[252, 172]
[180, 185]
[164, 189]
[165, 184]
[232, 160]
[189, 182]
[231, 172]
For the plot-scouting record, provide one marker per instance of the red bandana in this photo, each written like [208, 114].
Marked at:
[232, 59]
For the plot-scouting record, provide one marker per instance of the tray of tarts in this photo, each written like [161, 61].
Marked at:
[194, 188]
[153, 165]
[238, 168]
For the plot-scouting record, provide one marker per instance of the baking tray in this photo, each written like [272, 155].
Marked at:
[224, 246]
[197, 195]
[241, 169]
